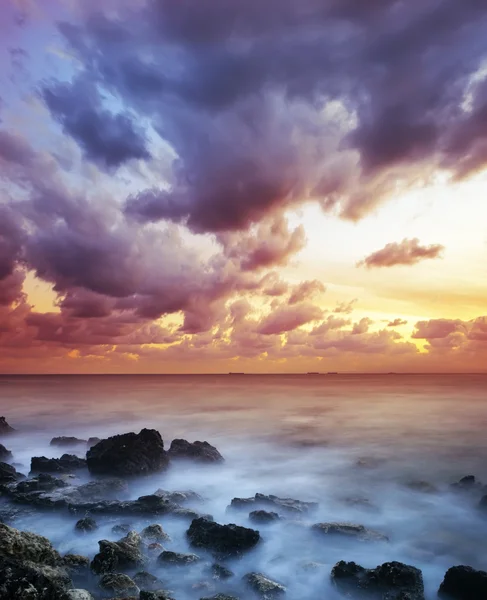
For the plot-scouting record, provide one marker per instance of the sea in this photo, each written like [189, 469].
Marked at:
[377, 450]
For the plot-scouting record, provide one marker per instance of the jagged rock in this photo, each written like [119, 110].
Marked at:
[201, 452]
[466, 483]
[155, 533]
[76, 562]
[27, 546]
[78, 595]
[4, 453]
[188, 513]
[263, 516]
[179, 497]
[220, 572]
[147, 581]
[350, 530]
[65, 464]
[121, 528]
[263, 586]
[177, 559]
[463, 583]
[42, 483]
[5, 428]
[285, 504]
[118, 583]
[8, 474]
[125, 553]
[92, 441]
[86, 525]
[220, 597]
[225, 540]
[29, 581]
[66, 441]
[145, 505]
[128, 454]
[390, 581]
[157, 595]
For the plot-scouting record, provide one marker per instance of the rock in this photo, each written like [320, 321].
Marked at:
[179, 497]
[263, 516]
[145, 505]
[285, 504]
[464, 583]
[390, 581]
[157, 595]
[123, 554]
[263, 586]
[177, 559]
[78, 595]
[4, 453]
[155, 533]
[8, 474]
[147, 581]
[122, 528]
[220, 572]
[42, 483]
[66, 441]
[76, 562]
[5, 428]
[349, 530]
[86, 525]
[155, 547]
[422, 486]
[92, 441]
[201, 452]
[225, 540]
[128, 454]
[27, 546]
[118, 583]
[65, 464]
[466, 483]
[28, 581]
[220, 597]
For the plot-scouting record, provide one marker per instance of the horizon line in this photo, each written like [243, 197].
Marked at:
[227, 373]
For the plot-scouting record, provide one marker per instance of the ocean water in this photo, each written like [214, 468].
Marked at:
[353, 443]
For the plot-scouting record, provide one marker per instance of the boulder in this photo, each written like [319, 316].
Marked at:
[179, 497]
[121, 528]
[220, 572]
[42, 483]
[119, 584]
[224, 540]
[155, 533]
[128, 454]
[124, 554]
[4, 453]
[145, 505]
[350, 530]
[263, 586]
[147, 581]
[76, 562]
[5, 428]
[177, 559]
[288, 505]
[263, 517]
[8, 474]
[29, 581]
[201, 452]
[86, 525]
[390, 581]
[65, 464]
[78, 595]
[463, 583]
[27, 546]
[66, 441]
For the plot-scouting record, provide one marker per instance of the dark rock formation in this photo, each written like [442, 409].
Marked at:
[76, 562]
[5, 428]
[66, 441]
[147, 581]
[86, 525]
[263, 586]
[8, 474]
[119, 584]
[124, 554]
[390, 581]
[4, 453]
[177, 559]
[201, 452]
[179, 497]
[349, 530]
[155, 533]
[26, 546]
[463, 583]
[42, 483]
[78, 595]
[21, 580]
[220, 572]
[158, 595]
[263, 517]
[128, 454]
[288, 505]
[92, 441]
[224, 540]
[65, 464]
[121, 528]
[145, 505]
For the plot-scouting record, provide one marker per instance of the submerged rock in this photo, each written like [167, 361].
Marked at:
[4, 453]
[122, 528]
[29, 581]
[155, 533]
[263, 586]
[390, 581]
[42, 483]
[145, 505]
[177, 559]
[285, 504]
[263, 516]
[128, 454]
[179, 497]
[220, 572]
[66, 441]
[350, 530]
[8, 474]
[78, 595]
[147, 581]
[27, 546]
[65, 464]
[124, 554]
[225, 540]
[118, 583]
[86, 525]
[464, 583]
[5, 428]
[202, 452]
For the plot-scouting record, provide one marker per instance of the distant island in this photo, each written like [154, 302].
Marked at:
[236, 373]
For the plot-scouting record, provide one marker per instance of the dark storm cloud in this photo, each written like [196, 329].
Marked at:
[106, 138]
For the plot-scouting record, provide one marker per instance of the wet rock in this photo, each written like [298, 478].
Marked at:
[263, 586]
[220, 597]
[284, 504]
[78, 595]
[157, 595]
[118, 583]
[190, 514]
[147, 581]
[124, 554]
[75, 562]
[92, 441]
[42, 483]
[29, 581]
[155, 547]
[65, 464]
[263, 517]
[390, 581]
[27, 546]
[86, 525]
[4, 453]
[225, 540]
[145, 505]
[220, 572]
[466, 483]
[201, 452]
[8, 474]
[155, 533]
[177, 559]
[128, 454]
[350, 530]
[179, 497]
[463, 583]
[66, 441]
[5, 428]
[121, 528]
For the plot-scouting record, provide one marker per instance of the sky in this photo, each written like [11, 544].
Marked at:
[205, 186]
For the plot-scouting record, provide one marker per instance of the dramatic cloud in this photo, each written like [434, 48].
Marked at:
[407, 252]
[288, 318]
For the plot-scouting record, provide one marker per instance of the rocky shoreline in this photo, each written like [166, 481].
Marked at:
[130, 566]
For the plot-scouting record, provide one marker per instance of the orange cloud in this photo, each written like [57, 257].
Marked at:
[407, 252]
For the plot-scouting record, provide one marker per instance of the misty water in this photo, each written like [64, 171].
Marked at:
[353, 443]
